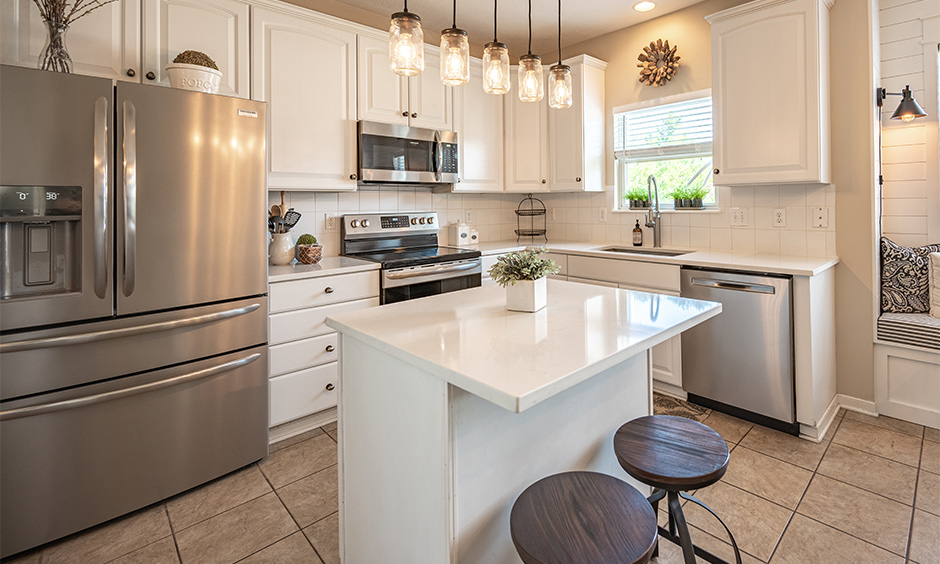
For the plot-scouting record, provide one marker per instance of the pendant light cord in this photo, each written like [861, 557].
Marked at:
[559, 32]
[530, 27]
[406, 6]
[495, 8]
[455, 16]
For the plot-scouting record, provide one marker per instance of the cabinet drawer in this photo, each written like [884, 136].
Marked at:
[296, 294]
[303, 323]
[635, 273]
[560, 260]
[302, 393]
[302, 354]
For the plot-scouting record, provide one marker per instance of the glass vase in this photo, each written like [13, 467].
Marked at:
[54, 55]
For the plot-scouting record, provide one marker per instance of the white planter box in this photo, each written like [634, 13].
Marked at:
[527, 295]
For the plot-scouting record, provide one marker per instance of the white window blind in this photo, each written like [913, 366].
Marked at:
[668, 131]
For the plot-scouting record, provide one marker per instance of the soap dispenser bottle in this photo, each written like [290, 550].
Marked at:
[637, 235]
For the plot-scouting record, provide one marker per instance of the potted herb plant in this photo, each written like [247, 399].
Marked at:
[638, 197]
[308, 250]
[194, 70]
[680, 197]
[697, 194]
[523, 274]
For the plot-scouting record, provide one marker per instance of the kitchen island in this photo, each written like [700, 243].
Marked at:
[450, 406]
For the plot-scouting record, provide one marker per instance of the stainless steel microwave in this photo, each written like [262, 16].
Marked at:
[398, 153]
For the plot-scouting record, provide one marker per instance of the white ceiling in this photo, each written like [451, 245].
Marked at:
[581, 19]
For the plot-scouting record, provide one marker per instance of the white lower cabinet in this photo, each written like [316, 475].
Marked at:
[303, 350]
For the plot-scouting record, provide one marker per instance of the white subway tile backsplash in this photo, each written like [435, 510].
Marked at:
[388, 200]
[743, 196]
[767, 241]
[799, 218]
[742, 240]
[369, 201]
[680, 236]
[406, 200]
[720, 239]
[763, 218]
[699, 237]
[815, 196]
[816, 244]
[327, 202]
[766, 196]
[792, 195]
[348, 201]
[793, 243]
[598, 232]
[699, 220]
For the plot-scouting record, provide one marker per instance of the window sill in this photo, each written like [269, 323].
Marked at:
[670, 210]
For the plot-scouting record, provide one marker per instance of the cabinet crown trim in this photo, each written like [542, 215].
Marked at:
[587, 60]
[756, 6]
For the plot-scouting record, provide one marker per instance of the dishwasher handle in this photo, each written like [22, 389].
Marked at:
[732, 285]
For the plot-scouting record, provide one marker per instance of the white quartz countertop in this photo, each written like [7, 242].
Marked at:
[516, 360]
[328, 266]
[731, 260]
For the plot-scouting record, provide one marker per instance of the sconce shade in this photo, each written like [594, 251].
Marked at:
[496, 68]
[908, 109]
[559, 87]
[406, 44]
[455, 57]
[531, 85]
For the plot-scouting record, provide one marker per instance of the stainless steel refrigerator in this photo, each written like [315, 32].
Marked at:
[133, 312]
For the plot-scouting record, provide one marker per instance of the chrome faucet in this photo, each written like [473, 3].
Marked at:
[653, 217]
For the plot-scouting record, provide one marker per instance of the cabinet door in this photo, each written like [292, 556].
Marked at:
[766, 88]
[430, 100]
[383, 95]
[667, 356]
[566, 139]
[480, 135]
[526, 142]
[218, 28]
[104, 43]
[311, 101]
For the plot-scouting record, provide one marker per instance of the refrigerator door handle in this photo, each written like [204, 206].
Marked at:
[117, 394]
[130, 197]
[101, 197]
[83, 338]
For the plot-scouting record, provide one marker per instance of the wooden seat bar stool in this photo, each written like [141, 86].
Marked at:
[675, 455]
[583, 518]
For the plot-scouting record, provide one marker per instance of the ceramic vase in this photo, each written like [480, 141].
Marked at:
[527, 295]
[281, 249]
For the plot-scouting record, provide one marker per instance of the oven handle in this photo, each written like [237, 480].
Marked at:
[426, 271]
[118, 394]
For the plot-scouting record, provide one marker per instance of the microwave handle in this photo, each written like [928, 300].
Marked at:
[438, 156]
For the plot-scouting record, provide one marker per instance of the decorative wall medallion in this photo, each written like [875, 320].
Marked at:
[658, 63]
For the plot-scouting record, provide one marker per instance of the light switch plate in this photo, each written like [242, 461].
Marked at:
[821, 217]
[780, 217]
[738, 217]
[603, 215]
[468, 217]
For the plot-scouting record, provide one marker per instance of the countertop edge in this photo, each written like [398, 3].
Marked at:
[300, 274]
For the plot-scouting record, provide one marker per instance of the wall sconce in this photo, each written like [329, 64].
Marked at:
[907, 110]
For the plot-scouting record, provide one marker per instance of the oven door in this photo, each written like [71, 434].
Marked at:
[400, 284]
[395, 153]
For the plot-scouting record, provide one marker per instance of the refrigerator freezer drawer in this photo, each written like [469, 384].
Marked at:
[77, 458]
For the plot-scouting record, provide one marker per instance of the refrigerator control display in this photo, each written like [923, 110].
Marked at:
[39, 201]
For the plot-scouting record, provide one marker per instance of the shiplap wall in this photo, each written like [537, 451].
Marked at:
[909, 194]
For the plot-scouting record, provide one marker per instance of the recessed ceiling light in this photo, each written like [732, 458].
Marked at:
[644, 6]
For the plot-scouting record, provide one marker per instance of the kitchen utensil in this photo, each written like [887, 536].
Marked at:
[290, 219]
[276, 211]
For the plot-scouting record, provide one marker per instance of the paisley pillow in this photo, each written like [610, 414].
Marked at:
[904, 282]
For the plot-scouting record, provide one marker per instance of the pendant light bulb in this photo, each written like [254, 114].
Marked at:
[455, 55]
[495, 63]
[559, 81]
[406, 44]
[531, 86]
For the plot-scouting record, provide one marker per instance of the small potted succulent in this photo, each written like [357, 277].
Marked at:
[523, 274]
[194, 70]
[638, 197]
[308, 250]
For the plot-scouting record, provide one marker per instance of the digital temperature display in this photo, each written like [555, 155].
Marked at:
[40, 201]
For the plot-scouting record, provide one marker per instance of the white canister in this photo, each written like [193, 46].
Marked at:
[474, 236]
[459, 234]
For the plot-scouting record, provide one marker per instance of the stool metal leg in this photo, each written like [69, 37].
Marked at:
[734, 545]
[685, 541]
[654, 500]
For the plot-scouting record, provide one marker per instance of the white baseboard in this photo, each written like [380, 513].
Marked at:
[669, 390]
[302, 425]
[855, 404]
[817, 433]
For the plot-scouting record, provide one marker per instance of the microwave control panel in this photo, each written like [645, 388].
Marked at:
[449, 159]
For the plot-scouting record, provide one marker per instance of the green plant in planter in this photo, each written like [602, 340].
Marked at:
[189, 57]
[306, 239]
[678, 193]
[521, 265]
[698, 193]
[637, 193]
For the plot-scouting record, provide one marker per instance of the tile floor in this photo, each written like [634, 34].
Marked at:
[868, 493]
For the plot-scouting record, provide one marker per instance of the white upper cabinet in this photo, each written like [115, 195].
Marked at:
[576, 134]
[418, 101]
[526, 133]
[311, 99]
[218, 28]
[105, 43]
[479, 126]
[770, 89]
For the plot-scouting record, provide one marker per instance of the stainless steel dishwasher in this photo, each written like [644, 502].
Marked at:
[741, 361]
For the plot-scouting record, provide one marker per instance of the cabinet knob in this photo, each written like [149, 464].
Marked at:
[330, 387]
[328, 290]
[543, 181]
[151, 76]
[131, 72]
[578, 179]
[404, 114]
[716, 171]
[414, 115]
[352, 176]
[330, 348]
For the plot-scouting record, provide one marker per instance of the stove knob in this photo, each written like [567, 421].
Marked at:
[364, 223]
[414, 221]
[431, 220]
[354, 223]
[422, 221]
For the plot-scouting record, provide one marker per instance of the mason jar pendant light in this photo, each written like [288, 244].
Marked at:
[531, 87]
[559, 80]
[455, 55]
[495, 63]
[406, 44]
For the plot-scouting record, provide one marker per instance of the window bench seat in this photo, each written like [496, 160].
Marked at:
[914, 329]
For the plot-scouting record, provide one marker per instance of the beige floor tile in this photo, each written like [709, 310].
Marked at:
[296, 461]
[312, 498]
[803, 453]
[217, 496]
[730, 428]
[237, 533]
[161, 552]
[886, 422]
[878, 440]
[755, 522]
[324, 534]
[111, 540]
[928, 492]
[925, 538]
[869, 472]
[670, 553]
[293, 550]
[930, 460]
[932, 434]
[808, 541]
[331, 430]
[862, 514]
[290, 441]
[767, 477]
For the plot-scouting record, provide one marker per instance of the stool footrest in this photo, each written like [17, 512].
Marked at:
[699, 551]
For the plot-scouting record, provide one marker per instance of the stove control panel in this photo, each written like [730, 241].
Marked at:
[389, 224]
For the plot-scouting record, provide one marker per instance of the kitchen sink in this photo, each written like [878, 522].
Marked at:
[642, 251]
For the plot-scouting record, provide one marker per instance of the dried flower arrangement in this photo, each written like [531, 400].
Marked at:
[58, 15]
[199, 58]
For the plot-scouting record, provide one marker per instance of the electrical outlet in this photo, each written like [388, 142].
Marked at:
[551, 214]
[821, 217]
[468, 217]
[330, 222]
[738, 217]
[603, 215]
[780, 217]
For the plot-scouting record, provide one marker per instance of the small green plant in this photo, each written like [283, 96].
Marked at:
[521, 265]
[679, 193]
[195, 58]
[306, 239]
[637, 193]
[698, 193]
